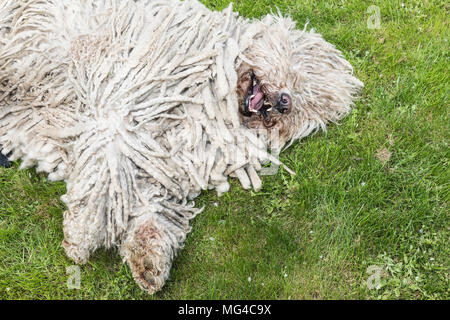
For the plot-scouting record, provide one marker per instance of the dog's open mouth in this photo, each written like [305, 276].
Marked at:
[256, 102]
[254, 99]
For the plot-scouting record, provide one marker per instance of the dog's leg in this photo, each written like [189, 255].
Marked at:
[84, 222]
[78, 244]
[149, 249]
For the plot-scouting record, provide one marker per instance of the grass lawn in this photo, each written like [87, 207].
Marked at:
[369, 201]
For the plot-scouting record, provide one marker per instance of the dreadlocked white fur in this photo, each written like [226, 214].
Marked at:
[134, 105]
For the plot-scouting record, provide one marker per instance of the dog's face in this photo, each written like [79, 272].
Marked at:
[266, 101]
[293, 82]
[269, 84]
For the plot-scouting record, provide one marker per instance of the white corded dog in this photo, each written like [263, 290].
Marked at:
[140, 105]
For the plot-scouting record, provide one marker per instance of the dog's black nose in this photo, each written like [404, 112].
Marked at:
[284, 103]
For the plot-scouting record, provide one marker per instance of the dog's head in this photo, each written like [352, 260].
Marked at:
[292, 81]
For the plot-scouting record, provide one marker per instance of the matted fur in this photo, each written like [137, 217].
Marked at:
[135, 104]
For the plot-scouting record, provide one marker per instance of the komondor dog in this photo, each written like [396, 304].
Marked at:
[140, 105]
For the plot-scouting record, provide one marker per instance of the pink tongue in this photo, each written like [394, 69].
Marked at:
[258, 100]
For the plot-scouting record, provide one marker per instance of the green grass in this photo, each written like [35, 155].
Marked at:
[308, 236]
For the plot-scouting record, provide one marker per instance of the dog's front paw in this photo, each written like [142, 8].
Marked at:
[77, 253]
[149, 271]
[149, 251]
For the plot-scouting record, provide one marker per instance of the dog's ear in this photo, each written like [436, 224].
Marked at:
[321, 82]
